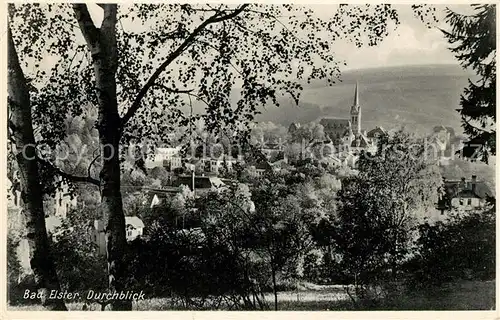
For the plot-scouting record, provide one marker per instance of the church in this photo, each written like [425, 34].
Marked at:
[347, 134]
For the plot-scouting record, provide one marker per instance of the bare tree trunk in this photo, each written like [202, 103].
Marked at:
[275, 290]
[31, 192]
[102, 45]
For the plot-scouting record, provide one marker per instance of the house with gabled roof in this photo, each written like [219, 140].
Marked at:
[464, 195]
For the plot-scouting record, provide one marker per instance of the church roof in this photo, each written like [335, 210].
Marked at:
[355, 104]
[334, 123]
[356, 96]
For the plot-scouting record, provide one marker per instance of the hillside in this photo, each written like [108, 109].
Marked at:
[418, 97]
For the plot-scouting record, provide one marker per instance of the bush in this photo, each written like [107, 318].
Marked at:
[462, 248]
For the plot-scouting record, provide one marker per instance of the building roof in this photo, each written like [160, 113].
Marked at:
[216, 182]
[377, 131]
[334, 123]
[275, 155]
[262, 165]
[134, 221]
[463, 189]
[355, 105]
[362, 140]
[443, 128]
[335, 128]
[294, 126]
[200, 182]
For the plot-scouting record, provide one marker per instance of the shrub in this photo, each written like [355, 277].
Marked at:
[462, 248]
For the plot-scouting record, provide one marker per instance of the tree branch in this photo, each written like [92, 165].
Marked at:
[87, 27]
[171, 89]
[91, 164]
[66, 175]
[189, 40]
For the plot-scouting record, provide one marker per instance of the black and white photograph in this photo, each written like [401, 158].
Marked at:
[250, 156]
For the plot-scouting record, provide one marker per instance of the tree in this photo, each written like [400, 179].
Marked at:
[80, 267]
[378, 208]
[462, 248]
[473, 40]
[193, 53]
[318, 131]
[20, 123]
[280, 225]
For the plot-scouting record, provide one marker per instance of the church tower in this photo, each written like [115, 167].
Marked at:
[356, 114]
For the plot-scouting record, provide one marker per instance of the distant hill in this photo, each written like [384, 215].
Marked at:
[419, 97]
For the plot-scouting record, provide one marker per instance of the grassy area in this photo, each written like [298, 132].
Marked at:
[470, 295]
[466, 295]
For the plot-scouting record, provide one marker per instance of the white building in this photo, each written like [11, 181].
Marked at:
[166, 157]
[63, 201]
[134, 228]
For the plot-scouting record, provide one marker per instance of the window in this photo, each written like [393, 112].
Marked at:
[461, 201]
[469, 201]
[129, 233]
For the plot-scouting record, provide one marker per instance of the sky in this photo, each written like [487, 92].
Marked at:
[411, 43]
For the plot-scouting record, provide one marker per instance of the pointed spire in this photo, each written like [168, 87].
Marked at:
[356, 95]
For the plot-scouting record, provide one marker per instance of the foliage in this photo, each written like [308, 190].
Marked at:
[201, 267]
[376, 216]
[473, 40]
[79, 266]
[463, 247]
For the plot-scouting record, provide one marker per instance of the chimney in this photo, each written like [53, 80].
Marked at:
[474, 179]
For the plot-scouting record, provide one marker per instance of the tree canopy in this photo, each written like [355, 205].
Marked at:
[473, 40]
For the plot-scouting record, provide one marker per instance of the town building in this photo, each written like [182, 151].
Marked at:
[63, 201]
[168, 157]
[346, 136]
[463, 195]
[199, 184]
[134, 229]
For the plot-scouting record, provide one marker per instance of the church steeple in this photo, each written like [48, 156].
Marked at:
[356, 96]
[356, 113]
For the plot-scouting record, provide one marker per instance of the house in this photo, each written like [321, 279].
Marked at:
[332, 160]
[199, 184]
[259, 168]
[168, 156]
[376, 133]
[155, 197]
[282, 165]
[64, 201]
[463, 195]
[219, 163]
[173, 163]
[134, 228]
[319, 149]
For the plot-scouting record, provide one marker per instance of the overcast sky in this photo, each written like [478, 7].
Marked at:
[411, 43]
